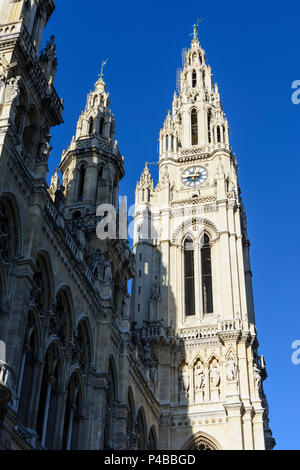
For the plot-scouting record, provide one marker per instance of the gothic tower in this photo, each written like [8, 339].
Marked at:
[192, 296]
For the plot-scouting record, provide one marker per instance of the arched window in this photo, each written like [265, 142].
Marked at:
[102, 127]
[200, 58]
[29, 133]
[194, 78]
[194, 124]
[209, 119]
[48, 411]
[141, 430]
[207, 293]
[131, 438]
[27, 371]
[203, 77]
[167, 143]
[20, 113]
[81, 183]
[189, 277]
[218, 134]
[152, 439]
[91, 125]
[73, 415]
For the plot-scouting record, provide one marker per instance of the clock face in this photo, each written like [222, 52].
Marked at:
[194, 176]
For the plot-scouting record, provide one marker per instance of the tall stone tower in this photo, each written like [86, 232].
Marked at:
[192, 297]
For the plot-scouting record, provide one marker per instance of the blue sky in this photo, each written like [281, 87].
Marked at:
[253, 49]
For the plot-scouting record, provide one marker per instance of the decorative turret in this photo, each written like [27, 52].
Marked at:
[92, 165]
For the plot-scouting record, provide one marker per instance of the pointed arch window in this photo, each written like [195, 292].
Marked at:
[189, 277]
[209, 119]
[102, 127]
[194, 124]
[91, 125]
[81, 183]
[207, 293]
[194, 79]
[218, 134]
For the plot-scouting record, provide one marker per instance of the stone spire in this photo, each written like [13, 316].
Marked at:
[197, 118]
[92, 165]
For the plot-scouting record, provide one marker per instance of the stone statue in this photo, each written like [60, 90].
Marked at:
[59, 199]
[214, 374]
[199, 377]
[147, 359]
[154, 374]
[14, 88]
[183, 379]
[106, 175]
[231, 369]
[155, 294]
[96, 264]
[256, 376]
[45, 149]
[108, 274]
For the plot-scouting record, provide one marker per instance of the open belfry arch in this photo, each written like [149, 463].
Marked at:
[82, 364]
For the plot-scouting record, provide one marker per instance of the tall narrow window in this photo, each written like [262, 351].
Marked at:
[194, 122]
[189, 277]
[209, 118]
[194, 78]
[218, 134]
[91, 125]
[101, 130]
[203, 77]
[81, 182]
[206, 276]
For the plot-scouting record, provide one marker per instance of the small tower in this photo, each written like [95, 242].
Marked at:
[92, 166]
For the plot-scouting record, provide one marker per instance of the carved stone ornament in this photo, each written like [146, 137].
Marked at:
[231, 369]
[214, 374]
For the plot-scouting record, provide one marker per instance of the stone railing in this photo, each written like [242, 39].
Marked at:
[6, 383]
[55, 217]
[230, 325]
[197, 333]
[156, 332]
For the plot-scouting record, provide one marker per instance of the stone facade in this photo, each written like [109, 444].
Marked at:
[78, 368]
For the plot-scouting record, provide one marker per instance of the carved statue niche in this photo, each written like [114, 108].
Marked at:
[183, 382]
[256, 376]
[199, 381]
[107, 273]
[215, 380]
[231, 368]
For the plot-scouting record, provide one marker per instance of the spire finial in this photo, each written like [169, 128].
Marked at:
[104, 62]
[196, 28]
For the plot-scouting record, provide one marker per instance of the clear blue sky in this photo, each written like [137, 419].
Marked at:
[253, 49]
